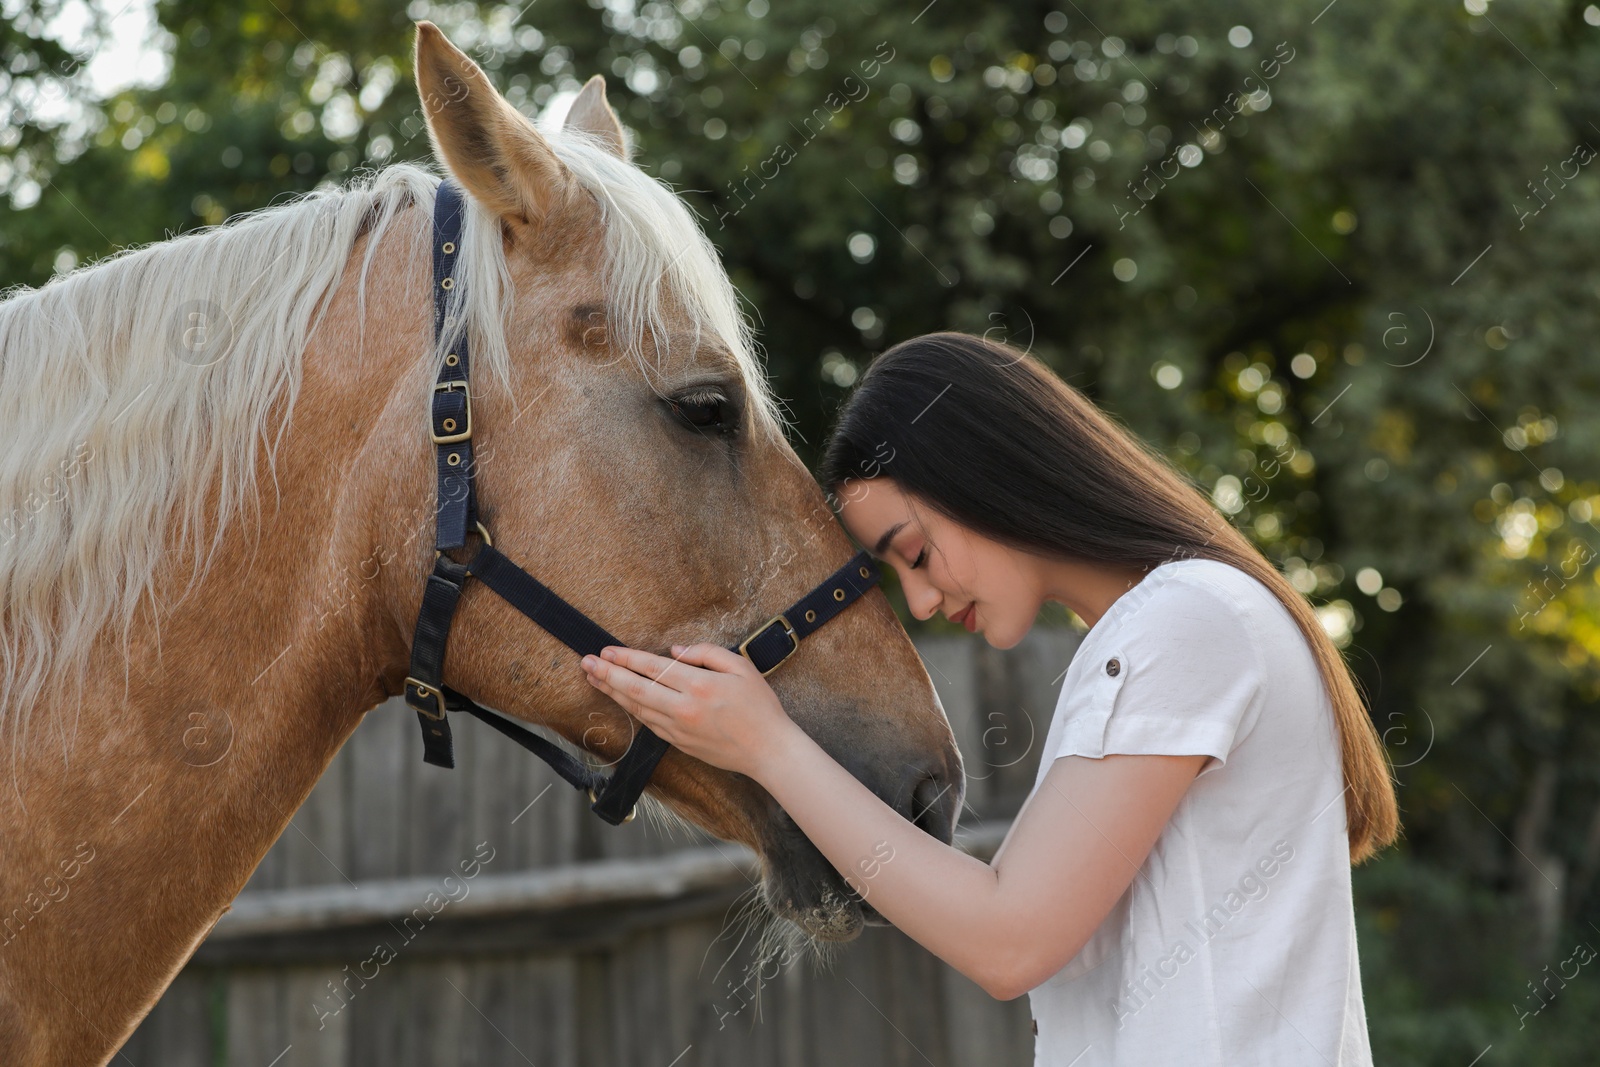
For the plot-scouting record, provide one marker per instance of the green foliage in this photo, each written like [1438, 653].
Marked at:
[1336, 268]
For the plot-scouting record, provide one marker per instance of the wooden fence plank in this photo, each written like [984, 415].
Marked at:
[442, 1012]
[315, 844]
[980, 1029]
[377, 756]
[320, 1037]
[950, 666]
[255, 1017]
[177, 1032]
[434, 810]
[377, 1014]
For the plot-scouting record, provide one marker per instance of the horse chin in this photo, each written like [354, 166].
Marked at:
[834, 916]
[803, 889]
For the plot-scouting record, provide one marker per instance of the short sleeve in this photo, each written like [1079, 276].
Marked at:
[1180, 674]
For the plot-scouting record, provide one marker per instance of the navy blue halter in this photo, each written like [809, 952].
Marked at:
[613, 798]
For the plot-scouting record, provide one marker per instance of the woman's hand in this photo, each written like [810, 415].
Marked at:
[710, 702]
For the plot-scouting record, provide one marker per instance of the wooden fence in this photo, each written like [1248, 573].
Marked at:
[415, 916]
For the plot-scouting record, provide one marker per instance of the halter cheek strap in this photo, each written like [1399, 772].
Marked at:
[613, 798]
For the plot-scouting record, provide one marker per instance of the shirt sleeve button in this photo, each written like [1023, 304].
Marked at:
[1113, 667]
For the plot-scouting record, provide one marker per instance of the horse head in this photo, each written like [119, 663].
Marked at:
[630, 455]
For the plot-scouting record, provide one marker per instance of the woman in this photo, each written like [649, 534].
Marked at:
[1178, 883]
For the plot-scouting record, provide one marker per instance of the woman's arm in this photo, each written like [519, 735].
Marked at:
[1009, 925]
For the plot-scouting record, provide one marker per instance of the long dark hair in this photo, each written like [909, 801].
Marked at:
[994, 440]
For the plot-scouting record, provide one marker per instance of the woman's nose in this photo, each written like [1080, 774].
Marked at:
[923, 600]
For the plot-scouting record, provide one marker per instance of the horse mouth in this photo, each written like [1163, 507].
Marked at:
[838, 914]
[802, 887]
[799, 885]
[835, 914]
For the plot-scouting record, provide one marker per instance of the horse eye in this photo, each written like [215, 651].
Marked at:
[705, 411]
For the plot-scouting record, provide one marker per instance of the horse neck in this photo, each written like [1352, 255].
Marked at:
[174, 779]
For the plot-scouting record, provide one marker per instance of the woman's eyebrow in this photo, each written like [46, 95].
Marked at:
[888, 535]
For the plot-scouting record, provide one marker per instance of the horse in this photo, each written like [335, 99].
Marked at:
[629, 451]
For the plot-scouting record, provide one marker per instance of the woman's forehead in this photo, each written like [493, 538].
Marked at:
[875, 512]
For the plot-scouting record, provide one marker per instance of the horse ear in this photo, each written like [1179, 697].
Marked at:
[488, 145]
[592, 114]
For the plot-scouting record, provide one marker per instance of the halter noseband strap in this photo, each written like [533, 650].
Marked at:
[613, 798]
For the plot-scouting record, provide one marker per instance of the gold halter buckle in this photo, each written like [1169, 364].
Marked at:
[788, 629]
[626, 818]
[466, 395]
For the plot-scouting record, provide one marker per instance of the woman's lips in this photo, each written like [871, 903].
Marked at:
[968, 617]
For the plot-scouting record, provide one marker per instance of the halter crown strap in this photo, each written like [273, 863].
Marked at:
[451, 414]
[613, 798]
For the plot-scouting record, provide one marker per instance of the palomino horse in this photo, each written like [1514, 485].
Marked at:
[629, 454]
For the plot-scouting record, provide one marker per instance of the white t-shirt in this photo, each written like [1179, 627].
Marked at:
[1235, 945]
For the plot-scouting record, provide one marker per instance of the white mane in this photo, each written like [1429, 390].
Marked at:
[115, 425]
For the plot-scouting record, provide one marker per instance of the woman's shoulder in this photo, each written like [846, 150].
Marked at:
[1222, 586]
[1202, 603]
[1225, 612]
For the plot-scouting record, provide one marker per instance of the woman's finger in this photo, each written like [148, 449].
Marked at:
[626, 704]
[641, 712]
[630, 690]
[668, 672]
[661, 723]
[592, 669]
[714, 657]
